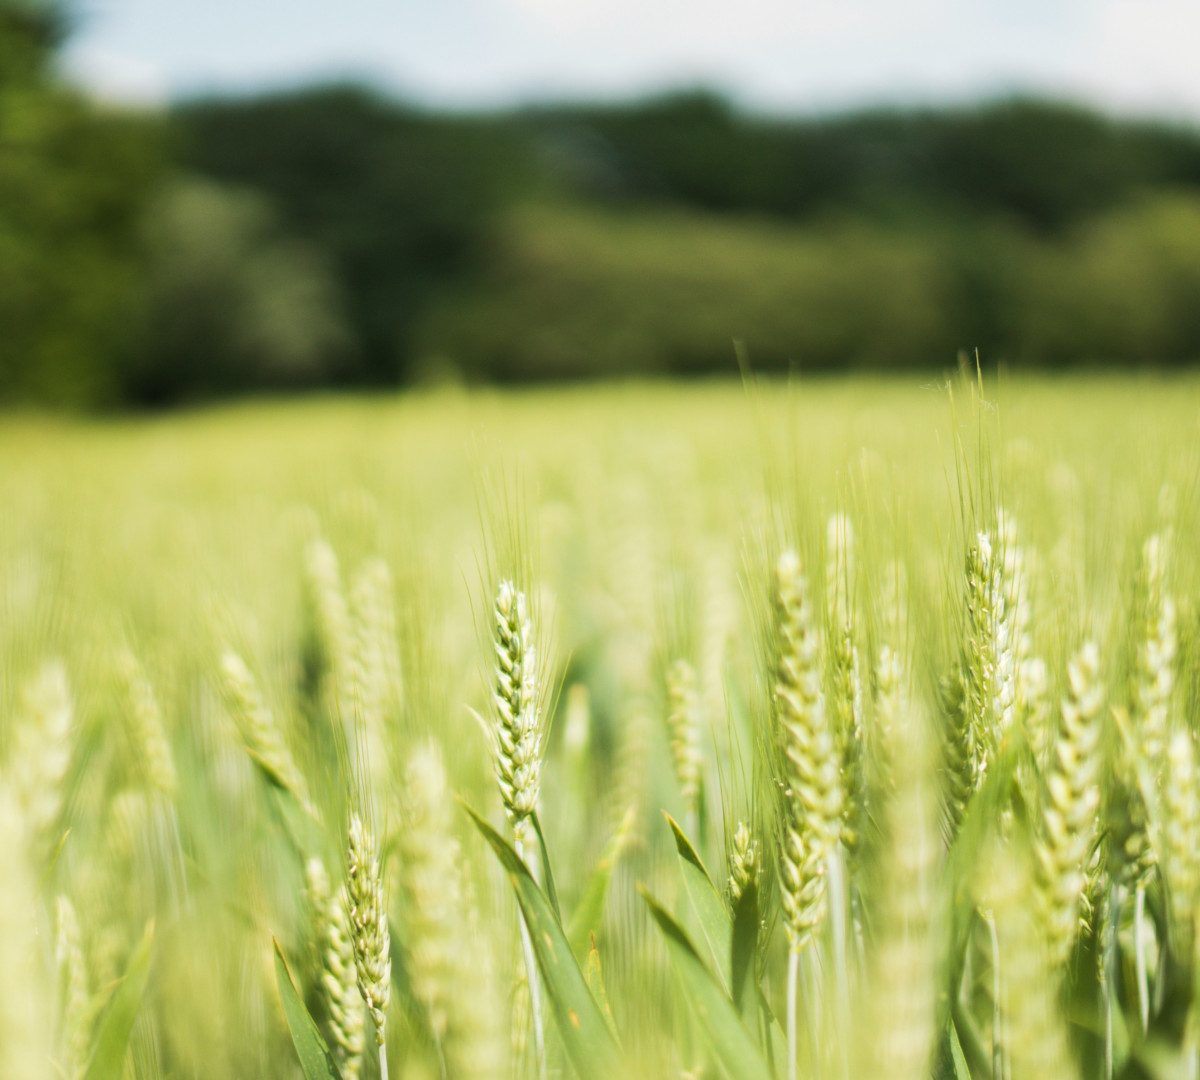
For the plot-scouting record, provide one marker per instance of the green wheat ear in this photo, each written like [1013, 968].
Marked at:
[146, 723]
[1156, 655]
[449, 965]
[1031, 685]
[337, 972]
[846, 695]
[26, 1007]
[810, 775]
[518, 730]
[1180, 831]
[45, 739]
[75, 995]
[905, 904]
[1071, 804]
[745, 861]
[369, 932]
[259, 729]
[1032, 1040]
[989, 662]
[684, 732]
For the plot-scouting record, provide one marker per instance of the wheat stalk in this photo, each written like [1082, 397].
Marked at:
[1181, 836]
[75, 996]
[337, 970]
[989, 663]
[373, 666]
[517, 751]
[903, 968]
[146, 723]
[684, 729]
[369, 932]
[44, 745]
[745, 862]
[1071, 804]
[450, 978]
[810, 776]
[25, 1009]
[518, 728]
[1031, 682]
[1155, 678]
[259, 730]
[331, 628]
[846, 698]
[1035, 1043]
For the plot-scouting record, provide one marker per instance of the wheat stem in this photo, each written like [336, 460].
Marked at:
[793, 979]
[1139, 956]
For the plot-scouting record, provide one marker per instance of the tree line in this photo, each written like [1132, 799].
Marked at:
[335, 236]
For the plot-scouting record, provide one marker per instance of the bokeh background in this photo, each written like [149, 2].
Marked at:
[200, 200]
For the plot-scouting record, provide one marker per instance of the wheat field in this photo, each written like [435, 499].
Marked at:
[838, 729]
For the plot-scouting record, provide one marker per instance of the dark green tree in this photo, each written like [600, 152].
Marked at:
[398, 201]
[74, 180]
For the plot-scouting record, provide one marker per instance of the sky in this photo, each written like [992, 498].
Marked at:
[1135, 56]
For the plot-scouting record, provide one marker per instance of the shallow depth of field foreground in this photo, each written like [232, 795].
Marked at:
[839, 730]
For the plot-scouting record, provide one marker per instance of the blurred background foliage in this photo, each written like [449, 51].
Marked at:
[331, 236]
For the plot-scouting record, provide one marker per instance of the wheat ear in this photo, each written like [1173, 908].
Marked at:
[518, 728]
[259, 730]
[846, 698]
[1181, 836]
[337, 971]
[989, 665]
[1071, 804]
[518, 752]
[1030, 679]
[1035, 1043]
[810, 777]
[903, 966]
[1156, 656]
[451, 979]
[42, 757]
[373, 677]
[683, 731]
[75, 996]
[369, 932]
[745, 861]
[25, 998]
[330, 619]
[811, 774]
[146, 723]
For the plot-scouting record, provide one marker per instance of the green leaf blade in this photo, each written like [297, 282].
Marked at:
[116, 1025]
[589, 912]
[712, 916]
[719, 1021]
[585, 1034]
[315, 1059]
[744, 950]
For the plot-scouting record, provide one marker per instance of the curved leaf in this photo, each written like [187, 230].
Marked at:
[589, 912]
[112, 1036]
[589, 1043]
[547, 871]
[712, 916]
[315, 1059]
[719, 1021]
[594, 975]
